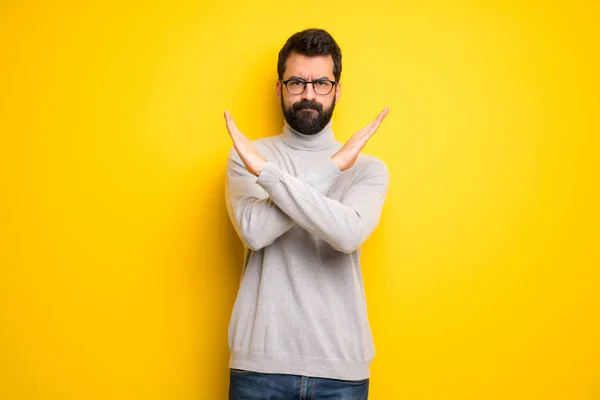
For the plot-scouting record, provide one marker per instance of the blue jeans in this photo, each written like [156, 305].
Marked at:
[248, 385]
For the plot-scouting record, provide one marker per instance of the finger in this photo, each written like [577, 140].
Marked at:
[228, 121]
[365, 129]
[378, 120]
[231, 123]
[240, 142]
[234, 132]
[375, 124]
[382, 115]
[231, 127]
[227, 116]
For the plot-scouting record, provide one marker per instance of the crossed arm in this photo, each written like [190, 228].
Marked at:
[265, 208]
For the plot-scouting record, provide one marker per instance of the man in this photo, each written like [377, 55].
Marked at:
[302, 204]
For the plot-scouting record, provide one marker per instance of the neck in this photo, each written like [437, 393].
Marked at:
[319, 141]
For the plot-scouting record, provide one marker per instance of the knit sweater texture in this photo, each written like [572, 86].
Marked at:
[301, 306]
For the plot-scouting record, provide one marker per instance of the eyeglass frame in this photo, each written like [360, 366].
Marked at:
[333, 84]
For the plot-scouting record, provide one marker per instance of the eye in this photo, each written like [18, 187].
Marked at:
[295, 83]
[322, 83]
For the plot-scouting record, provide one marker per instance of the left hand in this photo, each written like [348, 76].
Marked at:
[347, 155]
[251, 158]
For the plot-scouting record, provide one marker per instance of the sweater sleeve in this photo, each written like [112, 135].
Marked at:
[257, 220]
[344, 224]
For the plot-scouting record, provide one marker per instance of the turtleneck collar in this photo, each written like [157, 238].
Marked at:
[319, 141]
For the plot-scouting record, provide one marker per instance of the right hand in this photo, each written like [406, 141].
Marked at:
[253, 161]
[347, 155]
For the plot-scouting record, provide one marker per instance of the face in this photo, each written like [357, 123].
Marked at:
[308, 112]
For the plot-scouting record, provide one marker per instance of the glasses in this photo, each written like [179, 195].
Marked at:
[298, 86]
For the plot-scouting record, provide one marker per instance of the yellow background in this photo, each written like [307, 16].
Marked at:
[119, 266]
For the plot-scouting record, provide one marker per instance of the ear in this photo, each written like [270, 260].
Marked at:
[278, 89]
[338, 92]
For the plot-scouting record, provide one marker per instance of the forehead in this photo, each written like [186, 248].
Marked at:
[309, 67]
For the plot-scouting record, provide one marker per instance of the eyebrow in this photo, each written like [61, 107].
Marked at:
[303, 79]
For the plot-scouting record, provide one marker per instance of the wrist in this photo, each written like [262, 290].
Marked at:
[338, 163]
[259, 167]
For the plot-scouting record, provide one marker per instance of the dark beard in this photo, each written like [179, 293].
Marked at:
[307, 122]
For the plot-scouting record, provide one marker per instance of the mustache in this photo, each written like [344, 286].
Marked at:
[305, 104]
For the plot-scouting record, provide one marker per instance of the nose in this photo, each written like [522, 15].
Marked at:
[309, 92]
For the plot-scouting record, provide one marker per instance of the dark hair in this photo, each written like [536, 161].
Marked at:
[311, 43]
